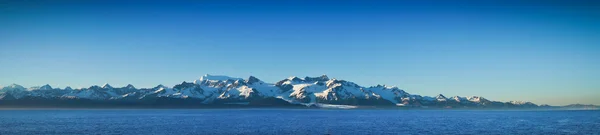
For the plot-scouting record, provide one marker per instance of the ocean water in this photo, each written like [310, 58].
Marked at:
[297, 121]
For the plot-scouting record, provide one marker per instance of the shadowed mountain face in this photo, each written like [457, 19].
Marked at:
[212, 90]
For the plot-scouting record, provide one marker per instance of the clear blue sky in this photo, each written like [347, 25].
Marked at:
[547, 52]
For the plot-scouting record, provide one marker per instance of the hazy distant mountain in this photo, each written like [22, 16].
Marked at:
[215, 91]
[581, 107]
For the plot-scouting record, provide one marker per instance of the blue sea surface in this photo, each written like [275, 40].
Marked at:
[296, 121]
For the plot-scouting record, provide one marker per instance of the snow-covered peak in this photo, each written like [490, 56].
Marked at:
[209, 77]
[14, 87]
[94, 87]
[384, 86]
[332, 81]
[390, 87]
[218, 77]
[440, 97]
[129, 86]
[106, 86]
[159, 87]
[320, 78]
[459, 99]
[292, 78]
[475, 99]
[518, 102]
[295, 80]
[224, 89]
[46, 87]
[252, 80]
[522, 103]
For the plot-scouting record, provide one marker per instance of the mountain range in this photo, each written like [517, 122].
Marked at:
[224, 91]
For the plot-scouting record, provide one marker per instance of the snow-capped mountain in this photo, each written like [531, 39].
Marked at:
[13, 87]
[216, 89]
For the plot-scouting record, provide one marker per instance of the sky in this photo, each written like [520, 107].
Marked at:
[546, 52]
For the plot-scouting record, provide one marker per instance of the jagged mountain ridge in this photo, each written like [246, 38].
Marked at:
[214, 90]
